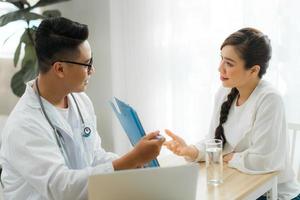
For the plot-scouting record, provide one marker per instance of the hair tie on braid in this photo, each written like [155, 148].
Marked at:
[219, 133]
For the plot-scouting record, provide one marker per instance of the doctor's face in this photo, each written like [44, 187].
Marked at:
[232, 68]
[79, 70]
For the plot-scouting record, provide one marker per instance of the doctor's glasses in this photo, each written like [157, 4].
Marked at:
[89, 65]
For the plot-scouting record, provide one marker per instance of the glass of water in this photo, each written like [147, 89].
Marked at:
[214, 161]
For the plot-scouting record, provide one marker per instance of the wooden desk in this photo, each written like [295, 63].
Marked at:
[236, 185]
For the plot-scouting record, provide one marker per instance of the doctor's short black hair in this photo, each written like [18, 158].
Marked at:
[58, 38]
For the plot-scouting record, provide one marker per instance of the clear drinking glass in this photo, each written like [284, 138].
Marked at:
[214, 161]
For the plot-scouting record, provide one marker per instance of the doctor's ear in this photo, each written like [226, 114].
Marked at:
[58, 69]
[255, 70]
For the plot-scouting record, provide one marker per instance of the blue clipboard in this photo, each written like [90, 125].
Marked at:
[131, 124]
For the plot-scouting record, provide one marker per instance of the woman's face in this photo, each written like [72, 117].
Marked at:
[232, 69]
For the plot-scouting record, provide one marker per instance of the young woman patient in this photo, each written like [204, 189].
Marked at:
[248, 116]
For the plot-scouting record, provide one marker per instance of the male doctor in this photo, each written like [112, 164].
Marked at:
[50, 142]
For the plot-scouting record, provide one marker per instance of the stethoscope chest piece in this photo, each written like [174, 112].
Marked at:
[86, 132]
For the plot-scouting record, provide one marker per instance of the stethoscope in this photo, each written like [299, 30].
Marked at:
[58, 136]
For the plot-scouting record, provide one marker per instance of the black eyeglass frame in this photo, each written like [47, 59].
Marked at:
[88, 65]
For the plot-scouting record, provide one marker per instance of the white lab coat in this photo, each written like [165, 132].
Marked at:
[33, 166]
[257, 134]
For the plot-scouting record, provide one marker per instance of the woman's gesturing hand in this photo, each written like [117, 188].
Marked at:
[179, 147]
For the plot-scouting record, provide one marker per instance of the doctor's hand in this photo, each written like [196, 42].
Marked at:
[179, 147]
[147, 149]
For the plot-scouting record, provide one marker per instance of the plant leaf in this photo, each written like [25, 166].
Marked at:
[17, 84]
[18, 3]
[30, 72]
[29, 62]
[17, 53]
[26, 38]
[47, 2]
[29, 56]
[52, 13]
[27, 73]
[19, 15]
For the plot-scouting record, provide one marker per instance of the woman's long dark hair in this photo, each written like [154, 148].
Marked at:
[254, 48]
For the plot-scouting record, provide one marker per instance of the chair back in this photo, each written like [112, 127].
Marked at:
[294, 130]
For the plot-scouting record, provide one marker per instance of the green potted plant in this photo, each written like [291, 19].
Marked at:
[25, 12]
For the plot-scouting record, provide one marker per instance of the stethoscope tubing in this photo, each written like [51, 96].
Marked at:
[58, 136]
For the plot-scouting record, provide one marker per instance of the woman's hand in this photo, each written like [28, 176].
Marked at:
[179, 147]
[228, 157]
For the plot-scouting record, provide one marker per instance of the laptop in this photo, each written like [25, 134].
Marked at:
[164, 183]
